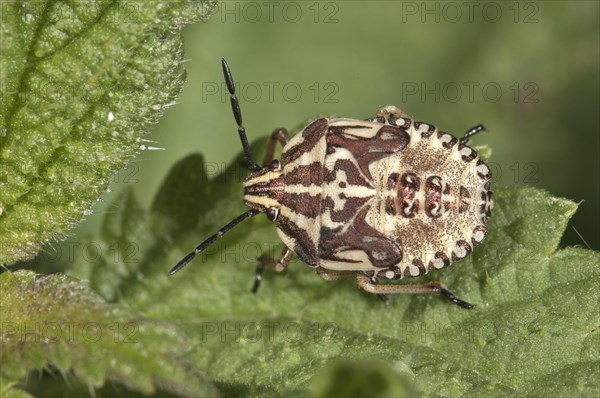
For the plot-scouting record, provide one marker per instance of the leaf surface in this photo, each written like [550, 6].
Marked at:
[534, 327]
[81, 84]
[57, 323]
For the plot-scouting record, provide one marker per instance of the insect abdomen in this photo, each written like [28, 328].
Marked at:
[435, 202]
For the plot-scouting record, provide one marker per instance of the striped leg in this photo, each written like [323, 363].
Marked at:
[281, 136]
[436, 288]
[328, 275]
[278, 266]
[471, 132]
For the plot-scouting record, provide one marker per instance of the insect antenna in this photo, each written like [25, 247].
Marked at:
[237, 113]
[184, 261]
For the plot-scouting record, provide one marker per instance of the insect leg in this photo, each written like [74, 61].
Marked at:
[471, 132]
[280, 135]
[328, 275]
[381, 296]
[278, 266]
[435, 288]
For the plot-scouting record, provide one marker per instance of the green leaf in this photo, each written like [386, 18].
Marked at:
[81, 84]
[361, 378]
[534, 328]
[55, 322]
[8, 391]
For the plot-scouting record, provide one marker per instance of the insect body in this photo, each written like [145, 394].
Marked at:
[383, 198]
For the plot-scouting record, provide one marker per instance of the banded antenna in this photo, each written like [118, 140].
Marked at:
[237, 113]
[184, 261]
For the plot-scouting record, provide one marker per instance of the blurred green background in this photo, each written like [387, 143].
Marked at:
[529, 71]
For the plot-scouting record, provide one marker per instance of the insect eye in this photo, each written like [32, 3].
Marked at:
[272, 213]
[275, 165]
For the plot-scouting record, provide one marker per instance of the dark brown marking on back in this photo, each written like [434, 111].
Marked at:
[448, 205]
[465, 245]
[464, 200]
[392, 180]
[428, 132]
[486, 208]
[420, 266]
[407, 187]
[303, 203]
[353, 175]
[305, 248]
[402, 122]
[433, 196]
[312, 134]
[479, 228]
[486, 176]
[350, 208]
[388, 140]
[467, 158]
[381, 251]
[273, 189]
[449, 144]
[390, 207]
[350, 204]
[442, 256]
[306, 175]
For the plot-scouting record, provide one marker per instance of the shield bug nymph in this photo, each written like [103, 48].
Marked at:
[387, 197]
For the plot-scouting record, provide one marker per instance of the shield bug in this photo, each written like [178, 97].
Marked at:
[387, 197]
